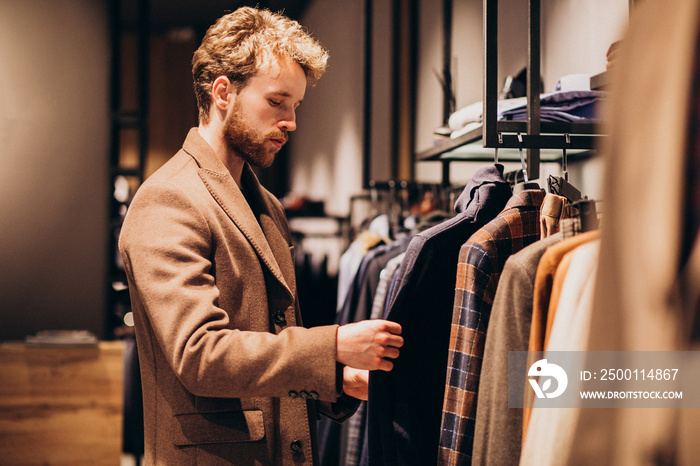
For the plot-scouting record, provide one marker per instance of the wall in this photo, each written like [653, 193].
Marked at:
[54, 62]
[576, 35]
[172, 107]
[326, 149]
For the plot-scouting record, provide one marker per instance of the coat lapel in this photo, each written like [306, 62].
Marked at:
[271, 222]
[228, 195]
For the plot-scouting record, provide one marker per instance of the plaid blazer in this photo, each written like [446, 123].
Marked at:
[481, 260]
[498, 430]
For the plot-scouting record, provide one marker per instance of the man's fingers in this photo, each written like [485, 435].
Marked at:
[391, 353]
[387, 339]
[391, 327]
[389, 333]
[369, 344]
[385, 365]
[395, 341]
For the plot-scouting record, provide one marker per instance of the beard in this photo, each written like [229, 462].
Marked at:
[248, 142]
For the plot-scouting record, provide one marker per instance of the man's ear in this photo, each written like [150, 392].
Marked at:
[221, 93]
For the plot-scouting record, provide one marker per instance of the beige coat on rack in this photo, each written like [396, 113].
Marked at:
[637, 306]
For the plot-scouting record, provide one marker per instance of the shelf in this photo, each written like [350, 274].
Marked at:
[551, 141]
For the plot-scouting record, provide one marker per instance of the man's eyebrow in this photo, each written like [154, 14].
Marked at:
[281, 93]
[284, 94]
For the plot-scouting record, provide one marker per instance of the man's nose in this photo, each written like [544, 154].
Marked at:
[289, 123]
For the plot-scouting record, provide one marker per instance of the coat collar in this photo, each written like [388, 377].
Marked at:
[264, 236]
[485, 194]
[526, 199]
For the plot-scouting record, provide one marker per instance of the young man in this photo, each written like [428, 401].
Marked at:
[229, 375]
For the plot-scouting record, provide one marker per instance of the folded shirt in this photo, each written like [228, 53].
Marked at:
[474, 113]
[571, 106]
[568, 106]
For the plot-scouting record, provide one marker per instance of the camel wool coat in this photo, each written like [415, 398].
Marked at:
[645, 296]
[229, 376]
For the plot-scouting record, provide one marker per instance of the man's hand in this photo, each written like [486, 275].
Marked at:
[355, 382]
[367, 344]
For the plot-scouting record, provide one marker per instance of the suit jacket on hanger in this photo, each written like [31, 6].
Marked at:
[551, 429]
[543, 296]
[498, 429]
[481, 260]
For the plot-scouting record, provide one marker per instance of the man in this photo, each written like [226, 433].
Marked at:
[229, 375]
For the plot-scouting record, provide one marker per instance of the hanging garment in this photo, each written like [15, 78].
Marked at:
[368, 277]
[498, 430]
[316, 288]
[481, 260]
[335, 439]
[551, 430]
[350, 262]
[385, 278]
[638, 305]
[357, 424]
[405, 404]
[553, 211]
[542, 297]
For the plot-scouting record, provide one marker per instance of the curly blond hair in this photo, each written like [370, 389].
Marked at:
[236, 45]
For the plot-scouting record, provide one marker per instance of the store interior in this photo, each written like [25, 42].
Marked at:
[96, 95]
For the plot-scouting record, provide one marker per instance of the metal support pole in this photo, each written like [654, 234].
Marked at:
[367, 102]
[533, 85]
[490, 118]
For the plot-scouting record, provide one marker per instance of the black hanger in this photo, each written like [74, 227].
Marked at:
[560, 185]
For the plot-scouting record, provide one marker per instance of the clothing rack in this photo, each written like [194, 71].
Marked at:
[303, 228]
[531, 135]
[395, 199]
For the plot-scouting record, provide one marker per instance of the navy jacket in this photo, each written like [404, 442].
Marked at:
[405, 405]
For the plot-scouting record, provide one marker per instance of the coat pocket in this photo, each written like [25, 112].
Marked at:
[218, 427]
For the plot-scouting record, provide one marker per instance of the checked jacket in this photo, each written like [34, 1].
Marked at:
[481, 260]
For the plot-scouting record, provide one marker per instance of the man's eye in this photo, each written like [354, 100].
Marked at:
[275, 103]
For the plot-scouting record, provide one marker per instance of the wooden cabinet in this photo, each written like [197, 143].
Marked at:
[61, 406]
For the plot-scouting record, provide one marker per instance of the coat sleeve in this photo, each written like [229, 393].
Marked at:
[167, 246]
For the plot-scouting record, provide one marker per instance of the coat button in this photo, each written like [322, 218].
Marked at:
[313, 395]
[303, 394]
[293, 394]
[296, 446]
[279, 318]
